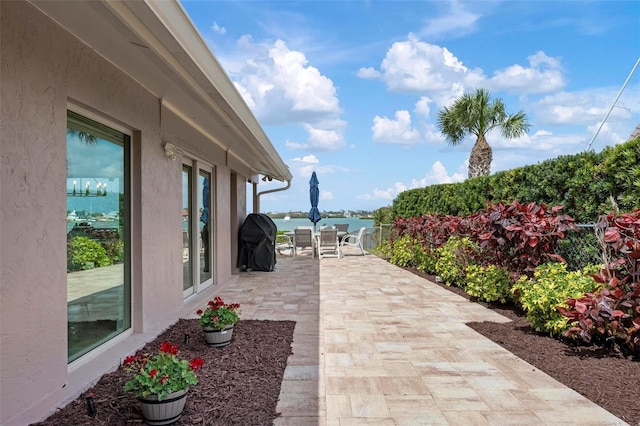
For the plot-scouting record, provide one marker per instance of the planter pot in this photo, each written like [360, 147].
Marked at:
[163, 412]
[216, 337]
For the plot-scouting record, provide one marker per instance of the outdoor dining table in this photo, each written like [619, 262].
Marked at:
[316, 236]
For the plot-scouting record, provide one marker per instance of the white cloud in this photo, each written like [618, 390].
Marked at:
[417, 66]
[572, 108]
[605, 135]
[398, 131]
[457, 22]
[307, 159]
[368, 73]
[544, 74]
[326, 195]
[248, 98]
[437, 174]
[383, 194]
[324, 139]
[540, 145]
[422, 107]
[281, 87]
[414, 65]
[218, 29]
[319, 140]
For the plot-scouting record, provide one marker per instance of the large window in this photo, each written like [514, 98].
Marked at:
[98, 278]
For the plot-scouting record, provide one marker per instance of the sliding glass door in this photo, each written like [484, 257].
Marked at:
[197, 226]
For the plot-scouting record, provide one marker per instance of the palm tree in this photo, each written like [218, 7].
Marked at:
[84, 137]
[474, 113]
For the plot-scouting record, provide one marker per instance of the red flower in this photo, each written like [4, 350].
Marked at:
[153, 373]
[130, 359]
[196, 363]
[168, 348]
[199, 312]
[165, 378]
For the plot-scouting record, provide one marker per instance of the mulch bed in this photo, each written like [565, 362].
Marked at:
[239, 384]
[609, 381]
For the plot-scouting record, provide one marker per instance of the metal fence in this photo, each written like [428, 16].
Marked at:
[579, 248]
[375, 235]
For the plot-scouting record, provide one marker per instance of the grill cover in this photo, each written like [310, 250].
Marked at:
[257, 243]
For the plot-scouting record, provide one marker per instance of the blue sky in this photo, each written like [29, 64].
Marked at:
[351, 89]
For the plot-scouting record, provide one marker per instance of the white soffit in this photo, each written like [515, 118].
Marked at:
[155, 43]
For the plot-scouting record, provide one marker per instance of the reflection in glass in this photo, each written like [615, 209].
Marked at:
[98, 290]
[187, 258]
[204, 207]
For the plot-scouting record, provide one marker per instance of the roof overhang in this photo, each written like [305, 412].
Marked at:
[156, 44]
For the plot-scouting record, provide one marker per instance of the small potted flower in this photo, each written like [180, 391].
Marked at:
[217, 321]
[161, 382]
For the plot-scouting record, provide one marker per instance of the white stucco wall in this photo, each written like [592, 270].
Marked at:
[43, 69]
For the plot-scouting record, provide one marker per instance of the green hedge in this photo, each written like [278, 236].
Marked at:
[587, 184]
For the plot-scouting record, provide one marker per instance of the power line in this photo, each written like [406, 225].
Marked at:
[613, 104]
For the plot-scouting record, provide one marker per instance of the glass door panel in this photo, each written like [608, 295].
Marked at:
[187, 237]
[205, 266]
[98, 278]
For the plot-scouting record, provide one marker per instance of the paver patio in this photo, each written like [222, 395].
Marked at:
[377, 345]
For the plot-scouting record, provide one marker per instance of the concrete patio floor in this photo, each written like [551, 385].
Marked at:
[377, 345]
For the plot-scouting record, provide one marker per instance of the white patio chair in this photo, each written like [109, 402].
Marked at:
[302, 239]
[328, 240]
[284, 242]
[343, 229]
[353, 240]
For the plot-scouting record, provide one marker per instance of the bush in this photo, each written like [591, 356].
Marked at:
[402, 251]
[488, 283]
[453, 258]
[384, 250]
[84, 253]
[550, 287]
[425, 259]
[114, 250]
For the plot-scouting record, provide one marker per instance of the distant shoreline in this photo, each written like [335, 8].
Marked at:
[304, 216]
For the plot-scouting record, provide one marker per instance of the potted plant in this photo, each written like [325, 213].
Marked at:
[160, 382]
[217, 321]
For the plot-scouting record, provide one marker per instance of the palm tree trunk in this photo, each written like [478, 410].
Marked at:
[480, 158]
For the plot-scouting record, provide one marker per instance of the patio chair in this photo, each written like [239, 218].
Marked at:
[353, 240]
[302, 239]
[343, 229]
[328, 240]
[284, 242]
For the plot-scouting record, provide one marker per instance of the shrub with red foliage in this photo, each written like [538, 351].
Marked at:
[610, 315]
[519, 237]
[433, 230]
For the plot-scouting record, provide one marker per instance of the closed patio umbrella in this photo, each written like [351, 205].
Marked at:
[314, 195]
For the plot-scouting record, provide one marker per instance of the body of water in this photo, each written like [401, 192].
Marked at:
[283, 225]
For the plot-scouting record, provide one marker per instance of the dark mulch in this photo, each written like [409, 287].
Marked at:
[611, 382]
[239, 384]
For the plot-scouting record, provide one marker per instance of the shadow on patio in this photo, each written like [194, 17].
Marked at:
[290, 292]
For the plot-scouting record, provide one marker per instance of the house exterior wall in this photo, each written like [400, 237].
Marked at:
[45, 69]
[224, 233]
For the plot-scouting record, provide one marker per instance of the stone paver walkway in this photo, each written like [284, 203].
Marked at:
[377, 345]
